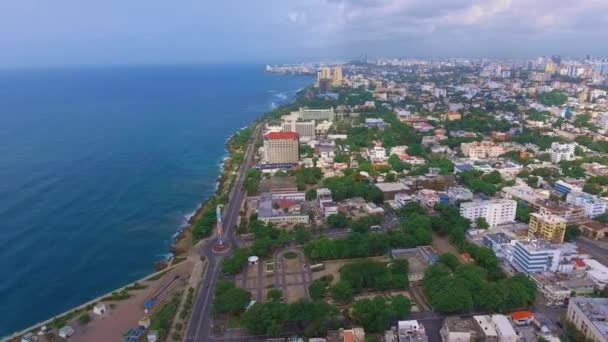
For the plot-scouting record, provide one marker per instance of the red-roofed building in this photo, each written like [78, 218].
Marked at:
[522, 317]
[281, 148]
[281, 135]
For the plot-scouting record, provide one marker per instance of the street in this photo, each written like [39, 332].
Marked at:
[199, 328]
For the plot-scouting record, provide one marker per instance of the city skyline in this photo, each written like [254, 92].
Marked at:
[68, 32]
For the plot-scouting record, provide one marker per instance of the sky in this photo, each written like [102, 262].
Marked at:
[99, 32]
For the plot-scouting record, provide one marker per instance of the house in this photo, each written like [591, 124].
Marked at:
[66, 331]
[29, 337]
[594, 229]
[522, 317]
[153, 336]
[99, 309]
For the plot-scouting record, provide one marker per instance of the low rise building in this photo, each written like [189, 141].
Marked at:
[481, 150]
[594, 229]
[459, 194]
[458, 329]
[427, 197]
[590, 317]
[592, 204]
[410, 331]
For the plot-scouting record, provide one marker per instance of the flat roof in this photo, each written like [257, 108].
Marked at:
[281, 135]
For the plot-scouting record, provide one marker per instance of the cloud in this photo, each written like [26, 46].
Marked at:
[444, 24]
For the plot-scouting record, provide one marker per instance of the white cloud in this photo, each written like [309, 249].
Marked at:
[440, 23]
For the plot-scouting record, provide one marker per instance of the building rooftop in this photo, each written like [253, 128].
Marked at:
[281, 135]
[537, 245]
[596, 309]
[548, 218]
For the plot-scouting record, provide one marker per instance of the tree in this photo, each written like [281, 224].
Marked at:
[375, 314]
[342, 291]
[84, 318]
[572, 232]
[236, 262]
[522, 213]
[553, 98]
[275, 295]
[311, 195]
[338, 220]
[265, 318]
[481, 223]
[229, 298]
[317, 289]
[450, 260]
[302, 235]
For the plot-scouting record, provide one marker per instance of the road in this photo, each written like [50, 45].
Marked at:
[597, 249]
[199, 328]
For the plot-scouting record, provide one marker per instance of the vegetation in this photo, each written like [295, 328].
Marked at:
[375, 275]
[376, 314]
[252, 180]
[162, 319]
[309, 318]
[477, 181]
[307, 176]
[229, 298]
[553, 98]
[467, 287]
[353, 185]
[318, 288]
[572, 232]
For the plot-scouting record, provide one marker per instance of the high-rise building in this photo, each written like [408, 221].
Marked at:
[550, 67]
[306, 114]
[303, 128]
[337, 77]
[548, 227]
[561, 152]
[281, 148]
[499, 211]
[535, 256]
[324, 74]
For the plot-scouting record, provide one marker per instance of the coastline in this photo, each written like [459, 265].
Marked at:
[182, 240]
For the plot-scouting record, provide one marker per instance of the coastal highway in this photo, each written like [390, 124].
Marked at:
[200, 320]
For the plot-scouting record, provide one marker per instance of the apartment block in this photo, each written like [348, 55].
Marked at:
[496, 212]
[548, 227]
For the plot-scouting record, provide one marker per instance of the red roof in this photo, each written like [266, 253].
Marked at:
[519, 315]
[579, 263]
[281, 135]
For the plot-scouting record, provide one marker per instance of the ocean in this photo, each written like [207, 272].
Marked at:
[100, 166]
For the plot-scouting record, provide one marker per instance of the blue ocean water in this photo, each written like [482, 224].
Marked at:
[99, 167]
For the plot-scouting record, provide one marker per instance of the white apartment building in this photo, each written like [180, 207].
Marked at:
[304, 129]
[496, 212]
[561, 152]
[481, 150]
[592, 204]
[281, 148]
[307, 114]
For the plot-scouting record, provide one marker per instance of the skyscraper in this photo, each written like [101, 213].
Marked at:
[324, 74]
[337, 77]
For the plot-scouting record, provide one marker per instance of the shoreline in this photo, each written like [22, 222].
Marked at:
[183, 235]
